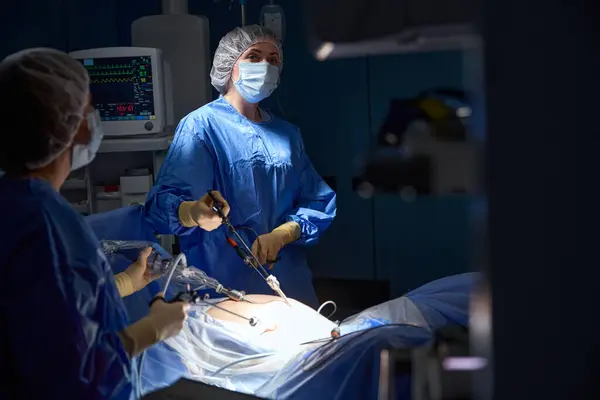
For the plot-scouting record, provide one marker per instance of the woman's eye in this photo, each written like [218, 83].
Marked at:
[252, 57]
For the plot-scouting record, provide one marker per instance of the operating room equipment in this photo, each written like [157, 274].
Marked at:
[253, 321]
[245, 253]
[189, 296]
[143, 107]
[423, 148]
[175, 268]
[380, 27]
[212, 283]
[184, 39]
[328, 302]
[273, 17]
[243, 11]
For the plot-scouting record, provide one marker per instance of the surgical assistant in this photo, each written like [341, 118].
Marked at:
[80, 344]
[257, 162]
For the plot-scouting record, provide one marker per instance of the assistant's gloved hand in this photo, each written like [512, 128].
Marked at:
[164, 320]
[168, 318]
[200, 213]
[136, 276]
[267, 246]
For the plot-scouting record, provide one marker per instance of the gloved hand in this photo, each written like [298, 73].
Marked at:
[168, 318]
[266, 247]
[136, 276]
[200, 213]
[164, 320]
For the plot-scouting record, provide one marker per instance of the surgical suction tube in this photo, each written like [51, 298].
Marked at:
[180, 258]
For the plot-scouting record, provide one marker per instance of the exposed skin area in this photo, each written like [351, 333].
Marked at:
[278, 320]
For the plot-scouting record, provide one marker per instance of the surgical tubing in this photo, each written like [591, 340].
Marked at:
[325, 304]
[252, 357]
[178, 259]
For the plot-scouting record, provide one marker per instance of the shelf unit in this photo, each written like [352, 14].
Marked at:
[114, 158]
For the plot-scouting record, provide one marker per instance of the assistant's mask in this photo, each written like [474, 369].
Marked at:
[83, 154]
[257, 80]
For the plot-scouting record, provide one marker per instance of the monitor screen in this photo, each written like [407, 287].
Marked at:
[122, 87]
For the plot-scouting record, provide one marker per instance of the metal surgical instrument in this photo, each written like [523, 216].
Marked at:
[253, 321]
[245, 253]
[236, 295]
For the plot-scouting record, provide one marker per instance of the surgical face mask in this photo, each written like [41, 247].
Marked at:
[83, 154]
[256, 81]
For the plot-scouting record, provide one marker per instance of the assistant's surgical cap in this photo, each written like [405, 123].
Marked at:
[43, 93]
[231, 48]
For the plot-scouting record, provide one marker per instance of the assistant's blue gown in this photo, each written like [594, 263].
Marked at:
[60, 307]
[264, 173]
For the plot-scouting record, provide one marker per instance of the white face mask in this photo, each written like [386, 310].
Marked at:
[257, 80]
[84, 154]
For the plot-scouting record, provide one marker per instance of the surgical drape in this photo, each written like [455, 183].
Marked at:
[263, 171]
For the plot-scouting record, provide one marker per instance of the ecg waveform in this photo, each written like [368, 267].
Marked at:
[111, 73]
[122, 87]
[112, 80]
[109, 66]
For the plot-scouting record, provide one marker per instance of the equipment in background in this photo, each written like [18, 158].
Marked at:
[423, 148]
[135, 186]
[76, 190]
[108, 198]
[129, 88]
[184, 41]
[376, 27]
[245, 253]
[441, 370]
[273, 17]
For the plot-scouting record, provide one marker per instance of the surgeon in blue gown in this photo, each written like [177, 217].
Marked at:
[65, 333]
[257, 162]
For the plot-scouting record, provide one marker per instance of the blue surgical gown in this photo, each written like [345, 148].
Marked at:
[61, 309]
[264, 173]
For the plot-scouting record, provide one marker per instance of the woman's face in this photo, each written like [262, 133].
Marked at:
[259, 52]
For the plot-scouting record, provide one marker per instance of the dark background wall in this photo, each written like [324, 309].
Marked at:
[339, 106]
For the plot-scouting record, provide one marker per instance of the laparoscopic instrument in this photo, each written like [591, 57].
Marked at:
[161, 262]
[244, 251]
[199, 277]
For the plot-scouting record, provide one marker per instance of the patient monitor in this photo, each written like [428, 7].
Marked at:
[130, 88]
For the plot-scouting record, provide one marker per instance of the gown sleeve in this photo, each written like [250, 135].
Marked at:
[186, 175]
[315, 204]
